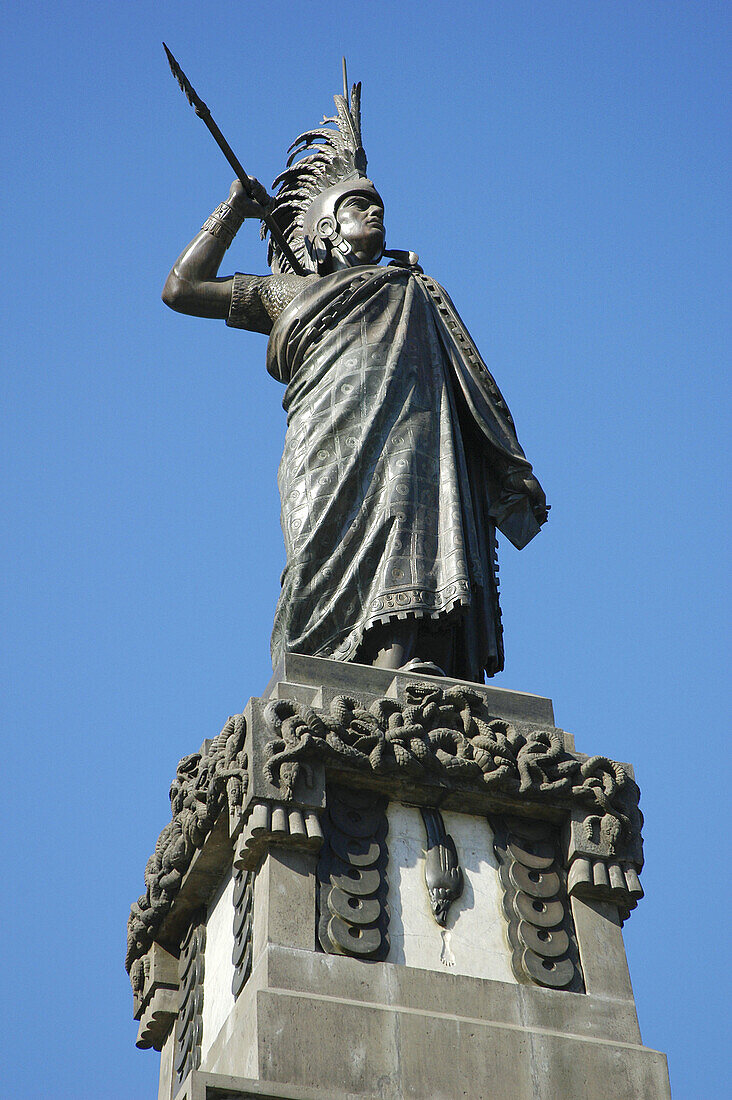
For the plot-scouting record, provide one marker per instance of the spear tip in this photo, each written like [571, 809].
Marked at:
[185, 84]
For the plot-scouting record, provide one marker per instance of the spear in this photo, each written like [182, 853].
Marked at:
[203, 113]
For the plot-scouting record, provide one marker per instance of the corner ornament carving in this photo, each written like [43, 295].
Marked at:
[156, 999]
[275, 822]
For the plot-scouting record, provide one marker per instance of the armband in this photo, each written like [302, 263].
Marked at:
[224, 223]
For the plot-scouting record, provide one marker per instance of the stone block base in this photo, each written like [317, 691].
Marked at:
[382, 886]
[335, 1028]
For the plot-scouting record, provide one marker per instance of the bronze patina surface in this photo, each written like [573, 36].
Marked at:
[401, 457]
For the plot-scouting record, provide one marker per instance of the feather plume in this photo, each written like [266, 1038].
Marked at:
[328, 154]
[345, 121]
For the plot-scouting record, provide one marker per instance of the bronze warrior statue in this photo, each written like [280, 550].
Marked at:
[401, 457]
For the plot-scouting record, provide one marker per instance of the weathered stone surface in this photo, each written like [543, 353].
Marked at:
[328, 678]
[218, 998]
[349, 1035]
[297, 1000]
[284, 901]
[334, 1026]
[218, 1086]
[473, 941]
[419, 990]
[167, 1079]
[601, 949]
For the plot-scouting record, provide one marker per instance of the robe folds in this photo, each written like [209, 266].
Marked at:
[397, 446]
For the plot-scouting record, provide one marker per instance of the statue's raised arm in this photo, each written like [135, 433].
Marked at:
[194, 285]
[401, 458]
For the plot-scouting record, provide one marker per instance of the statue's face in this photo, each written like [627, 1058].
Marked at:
[361, 223]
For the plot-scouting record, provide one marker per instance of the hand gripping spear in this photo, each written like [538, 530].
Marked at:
[203, 113]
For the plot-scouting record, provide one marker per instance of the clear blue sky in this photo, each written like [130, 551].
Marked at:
[562, 168]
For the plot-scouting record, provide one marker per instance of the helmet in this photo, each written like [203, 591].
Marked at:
[320, 222]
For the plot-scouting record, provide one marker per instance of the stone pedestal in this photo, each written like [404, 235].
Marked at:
[382, 885]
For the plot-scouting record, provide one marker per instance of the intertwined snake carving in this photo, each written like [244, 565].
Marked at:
[442, 731]
[203, 785]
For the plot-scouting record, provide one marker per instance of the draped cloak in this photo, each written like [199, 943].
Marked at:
[397, 444]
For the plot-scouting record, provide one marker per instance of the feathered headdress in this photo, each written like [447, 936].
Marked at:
[335, 155]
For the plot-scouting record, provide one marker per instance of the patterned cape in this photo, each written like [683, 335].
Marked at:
[397, 446]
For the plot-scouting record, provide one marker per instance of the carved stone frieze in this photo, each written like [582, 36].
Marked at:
[442, 872]
[446, 737]
[241, 955]
[353, 912]
[190, 1019]
[535, 903]
[205, 782]
[263, 781]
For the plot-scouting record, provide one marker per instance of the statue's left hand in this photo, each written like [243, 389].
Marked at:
[520, 482]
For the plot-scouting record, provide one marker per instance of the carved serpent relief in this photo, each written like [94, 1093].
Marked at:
[447, 733]
[203, 784]
[353, 913]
